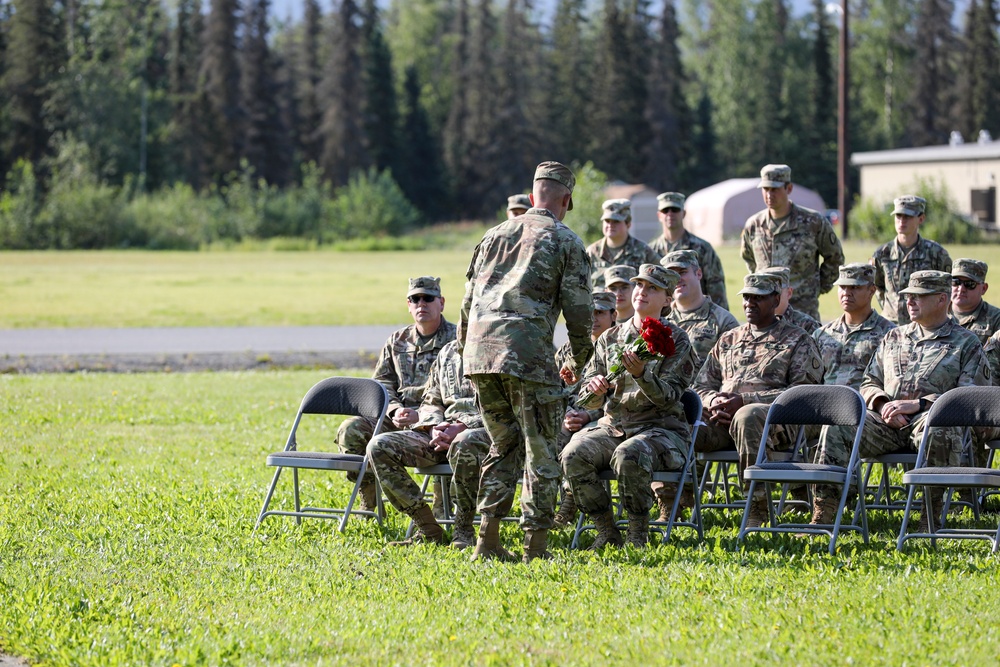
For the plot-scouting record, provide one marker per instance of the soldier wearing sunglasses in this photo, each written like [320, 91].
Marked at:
[968, 308]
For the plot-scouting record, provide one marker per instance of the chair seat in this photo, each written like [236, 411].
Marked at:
[728, 455]
[786, 471]
[439, 469]
[953, 476]
[317, 460]
[893, 458]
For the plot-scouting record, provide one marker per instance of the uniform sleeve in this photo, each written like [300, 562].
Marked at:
[432, 405]
[944, 261]
[708, 382]
[992, 352]
[463, 318]
[833, 257]
[976, 369]
[597, 366]
[386, 375]
[576, 303]
[674, 375]
[873, 384]
[879, 281]
[715, 277]
[746, 248]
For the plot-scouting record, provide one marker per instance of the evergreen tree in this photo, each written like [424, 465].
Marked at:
[571, 90]
[381, 108]
[185, 40]
[705, 167]
[457, 151]
[219, 86]
[933, 74]
[818, 162]
[345, 146]
[979, 76]
[307, 85]
[421, 175]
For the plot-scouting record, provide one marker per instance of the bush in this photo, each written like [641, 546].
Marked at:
[872, 220]
[588, 195]
[18, 208]
[370, 205]
[296, 210]
[174, 218]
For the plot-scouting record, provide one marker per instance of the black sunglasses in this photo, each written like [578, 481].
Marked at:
[417, 298]
[967, 284]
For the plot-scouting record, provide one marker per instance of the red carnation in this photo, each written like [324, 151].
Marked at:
[659, 338]
[655, 338]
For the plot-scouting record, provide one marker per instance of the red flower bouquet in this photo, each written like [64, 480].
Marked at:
[655, 340]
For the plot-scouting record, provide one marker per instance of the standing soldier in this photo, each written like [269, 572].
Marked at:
[968, 308]
[523, 273]
[402, 369]
[618, 246]
[618, 281]
[786, 234]
[898, 259]
[671, 213]
[785, 310]
[700, 317]
[517, 205]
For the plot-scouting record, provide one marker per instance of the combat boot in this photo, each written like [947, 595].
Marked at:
[824, 511]
[367, 496]
[567, 512]
[638, 530]
[607, 531]
[535, 542]
[931, 508]
[463, 535]
[488, 545]
[438, 504]
[758, 511]
[665, 501]
[428, 529]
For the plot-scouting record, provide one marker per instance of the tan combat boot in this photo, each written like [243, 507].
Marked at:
[428, 529]
[488, 545]
[438, 503]
[638, 530]
[535, 542]
[665, 501]
[367, 499]
[824, 511]
[607, 531]
[567, 512]
[758, 512]
[463, 535]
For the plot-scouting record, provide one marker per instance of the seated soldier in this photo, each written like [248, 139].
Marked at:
[449, 428]
[402, 369]
[912, 366]
[746, 370]
[968, 308]
[517, 205]
[576, 417]
[785, 310]
[618, 245]
[618, 281]
[694, 311]
[643, 428]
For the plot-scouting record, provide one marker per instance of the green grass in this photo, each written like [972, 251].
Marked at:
[265, 288]
[126, 506]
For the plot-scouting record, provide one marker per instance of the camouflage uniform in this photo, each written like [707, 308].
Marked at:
[893, 268]
[984, 321]
[643, 428]
[801, 320]
[798, 241]
[523, 273]
[992, 351]
[703, 325]
[847, 350]
[713, 278]
[632, 253]
[448, 397]
[758, 365]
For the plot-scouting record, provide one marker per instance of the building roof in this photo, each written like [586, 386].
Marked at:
[989, 150]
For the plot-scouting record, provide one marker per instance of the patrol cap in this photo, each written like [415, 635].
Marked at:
[909, 205]
[783, 273]
[660, 276]
[928, 282]
[687, 259]
[760, 284]
[617, 209]
[518, 201]
[856, 274]
[666, 200]
[560, 173]
[603, 300]
[775, 176]
[425, 285]
[970, 268]
[619, 273]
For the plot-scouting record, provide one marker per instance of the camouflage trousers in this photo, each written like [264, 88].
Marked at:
[522, 419]
[634, 460]
[744, 433]
[835, 442]
[354, 434]
[392, 453]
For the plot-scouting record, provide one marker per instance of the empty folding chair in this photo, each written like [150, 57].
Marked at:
[966, 408]
[360, 397]
[834, 405]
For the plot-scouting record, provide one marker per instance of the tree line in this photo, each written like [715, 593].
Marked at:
[450, 103]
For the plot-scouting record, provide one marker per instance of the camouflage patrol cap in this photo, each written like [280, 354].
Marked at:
[619, 273]
[670, 200]
[661, 276]
[603, 300]
[909, 205]
[761, 284]
[783, 273]
[687, 259]
[425, 285]
[518, 201]
[560, 173]
[775, 176]
[970, 268]
[928, 282]
[617, 209]
[856, 274]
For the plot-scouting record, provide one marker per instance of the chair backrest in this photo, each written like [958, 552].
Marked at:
[360, 397]
[692, 406]
[837, 405]
[966, 406]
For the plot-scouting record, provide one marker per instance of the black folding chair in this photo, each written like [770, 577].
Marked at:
[834, 405]
[967, 408]
[360, 397]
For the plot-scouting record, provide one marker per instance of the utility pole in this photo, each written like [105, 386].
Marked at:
[843, 175]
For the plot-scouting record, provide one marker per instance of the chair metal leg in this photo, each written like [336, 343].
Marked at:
[298, 505]
[903, 536]
[267, 499]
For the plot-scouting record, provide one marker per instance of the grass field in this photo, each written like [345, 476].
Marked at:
[138, 288]
[126, 507]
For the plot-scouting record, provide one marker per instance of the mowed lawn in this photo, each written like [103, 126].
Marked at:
[126, 509]
[140, 288]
